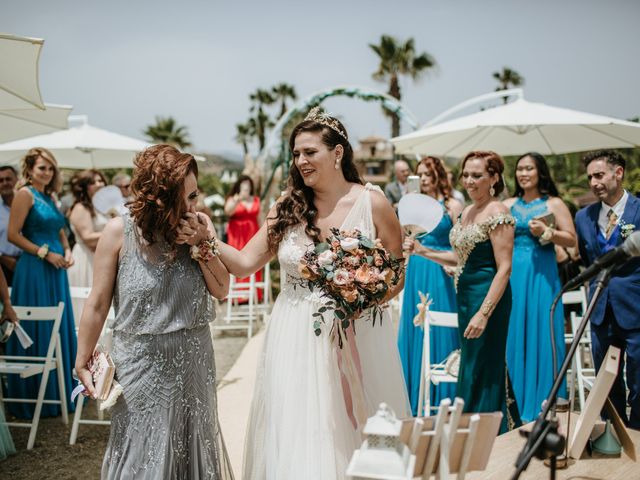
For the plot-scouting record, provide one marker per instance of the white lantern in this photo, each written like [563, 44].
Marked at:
[382, 454]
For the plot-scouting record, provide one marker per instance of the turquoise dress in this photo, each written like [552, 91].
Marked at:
[38, 283]
[535, 282]
[6, 441]
[427, 276]
[483, 382]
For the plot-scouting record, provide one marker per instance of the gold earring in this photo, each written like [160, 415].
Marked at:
[492, 191]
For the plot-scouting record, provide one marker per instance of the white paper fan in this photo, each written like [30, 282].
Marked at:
[419, 213]
[109, 200]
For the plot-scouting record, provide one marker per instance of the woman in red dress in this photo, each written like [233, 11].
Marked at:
[243, 207]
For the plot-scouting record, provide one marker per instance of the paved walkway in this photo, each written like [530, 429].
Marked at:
[234, 400]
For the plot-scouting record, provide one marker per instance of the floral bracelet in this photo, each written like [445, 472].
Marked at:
[43, 251]
[206, 250]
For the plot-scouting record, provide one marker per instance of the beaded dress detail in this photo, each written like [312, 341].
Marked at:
[464, 239]
[165, 423]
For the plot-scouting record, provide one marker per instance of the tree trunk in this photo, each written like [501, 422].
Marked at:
[394, 91]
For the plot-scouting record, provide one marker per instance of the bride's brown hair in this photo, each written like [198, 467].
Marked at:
[298, 206]
[158, 191]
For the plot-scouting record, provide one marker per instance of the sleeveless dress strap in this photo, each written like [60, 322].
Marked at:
[129, 241]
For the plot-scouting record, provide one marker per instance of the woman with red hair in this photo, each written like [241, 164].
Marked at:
[424, 275]
[165, 423]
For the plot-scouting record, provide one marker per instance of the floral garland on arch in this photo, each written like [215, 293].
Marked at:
[354, 273]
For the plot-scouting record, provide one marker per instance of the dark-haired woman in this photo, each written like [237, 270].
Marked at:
[37, 227]
[165, 422]
[482, 240]
[243, 208]
[426, 276]
[536, 282]
[87, 225]
[305, 419]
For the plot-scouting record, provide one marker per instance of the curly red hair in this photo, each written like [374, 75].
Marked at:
[158, 191]
[435, 165]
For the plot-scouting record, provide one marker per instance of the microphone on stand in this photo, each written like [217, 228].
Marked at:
[613, 258]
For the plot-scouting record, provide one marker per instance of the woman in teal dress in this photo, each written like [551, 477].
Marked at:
[8, 314]
[426, 276]
[482, 240]
[40, 279]
[536, 281]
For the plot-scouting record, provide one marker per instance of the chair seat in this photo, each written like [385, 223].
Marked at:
[23, 369]
[441, 376]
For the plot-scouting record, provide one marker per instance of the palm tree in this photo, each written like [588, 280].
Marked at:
[396, 59]
[507, 78]
[281, 93]
[244, 135]
[260, 99]
[167, 130]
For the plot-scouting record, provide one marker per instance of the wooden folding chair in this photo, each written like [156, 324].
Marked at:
[27, 366]
[433, 373]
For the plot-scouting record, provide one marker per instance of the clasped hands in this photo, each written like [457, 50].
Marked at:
[59, 261]
[193, 228]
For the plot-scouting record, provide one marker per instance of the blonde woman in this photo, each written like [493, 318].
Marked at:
[36, 227]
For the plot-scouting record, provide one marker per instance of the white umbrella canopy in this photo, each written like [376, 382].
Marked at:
[79, 147]
[26, 122]
[520, 127]
[19, 86]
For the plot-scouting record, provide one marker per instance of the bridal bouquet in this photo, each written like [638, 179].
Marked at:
[354, 273]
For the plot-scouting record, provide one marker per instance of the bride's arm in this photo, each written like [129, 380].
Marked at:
[389, 232]
[253, 256]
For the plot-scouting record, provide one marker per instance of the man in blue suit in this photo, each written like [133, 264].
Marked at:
[616, 317]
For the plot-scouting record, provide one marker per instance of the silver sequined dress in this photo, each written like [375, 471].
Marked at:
[165, 424]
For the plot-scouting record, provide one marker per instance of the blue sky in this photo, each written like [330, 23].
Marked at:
[124, 62]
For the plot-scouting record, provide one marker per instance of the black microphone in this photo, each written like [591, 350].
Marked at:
[613, 258]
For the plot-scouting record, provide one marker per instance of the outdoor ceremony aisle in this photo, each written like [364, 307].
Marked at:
[234, 400]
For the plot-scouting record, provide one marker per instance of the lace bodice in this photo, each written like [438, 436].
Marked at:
[465, 238]
[523, 212]
[296, 242]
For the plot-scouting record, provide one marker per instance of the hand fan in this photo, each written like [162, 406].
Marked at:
[419, 213]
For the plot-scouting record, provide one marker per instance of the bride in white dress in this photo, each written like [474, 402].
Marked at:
[301, 424]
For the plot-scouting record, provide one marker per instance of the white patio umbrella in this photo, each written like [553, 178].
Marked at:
[520, 127]
[79, 148]
[19, 86]
[27, 122]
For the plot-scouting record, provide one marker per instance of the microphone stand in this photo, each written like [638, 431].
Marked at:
[544, 440]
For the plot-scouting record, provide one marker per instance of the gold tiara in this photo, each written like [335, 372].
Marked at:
[323, 118]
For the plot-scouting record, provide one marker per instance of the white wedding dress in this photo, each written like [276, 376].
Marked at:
[298, 427]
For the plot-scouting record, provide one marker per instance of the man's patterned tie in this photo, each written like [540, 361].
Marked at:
[611, 224]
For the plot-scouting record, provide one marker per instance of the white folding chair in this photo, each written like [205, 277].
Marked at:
[27, 366]
[241, 316]
[574, 297]
[78, 296]
[264, 308]
[585, 376]
[435, 374]
[105, 341]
